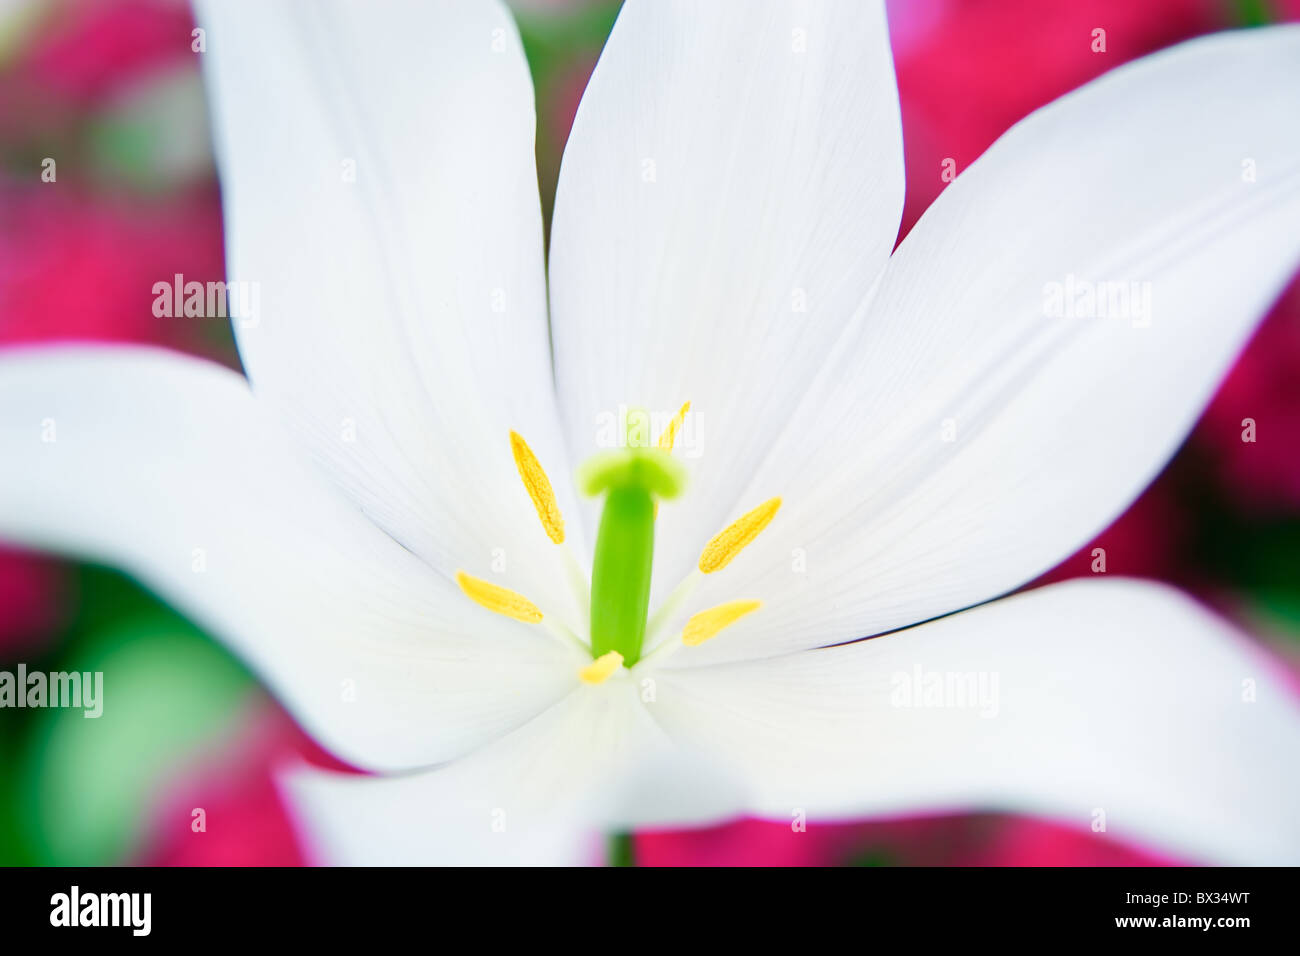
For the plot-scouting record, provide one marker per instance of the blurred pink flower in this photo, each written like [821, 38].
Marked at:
[750, 843]
[83, 50]
[917, 841]
[1148, 540]
[1021, 841]
[970, 69]
[28, 591]
[1264, 387]
[246, 821]
[77, 266]
[74, 265]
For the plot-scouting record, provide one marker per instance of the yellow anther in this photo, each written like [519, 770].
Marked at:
[708, 623]
[539, 488]
[498, 599]
[599, 670]
[731, 540]
[670, 433]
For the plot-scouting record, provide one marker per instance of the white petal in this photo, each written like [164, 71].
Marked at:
[166, 467]
[1057, 423]
[1118, 698]
[542, 795]
[380, 188]
[730, 191]
[350, 820]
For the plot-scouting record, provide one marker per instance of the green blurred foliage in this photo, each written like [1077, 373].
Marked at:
[1253, 13]
[561, 44]
[82, 788]
[155, 139]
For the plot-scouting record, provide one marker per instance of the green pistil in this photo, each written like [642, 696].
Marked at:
[631, 480]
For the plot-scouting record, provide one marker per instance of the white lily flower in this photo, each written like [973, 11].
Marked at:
[872, 442]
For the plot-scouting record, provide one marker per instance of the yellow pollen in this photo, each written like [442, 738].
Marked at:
[731, 540]
[539, 488]
[708, 623]
[670, 433]
[498, 599]
[669, 436]
[599, 670]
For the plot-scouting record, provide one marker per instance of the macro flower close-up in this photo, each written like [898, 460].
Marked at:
[693, 494]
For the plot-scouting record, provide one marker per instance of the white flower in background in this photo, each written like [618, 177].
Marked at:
[885, 439]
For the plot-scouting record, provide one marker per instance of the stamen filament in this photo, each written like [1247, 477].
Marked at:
[579, 584]
[731, 540]
[565, 635]
[539, 488]
[671, 604]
